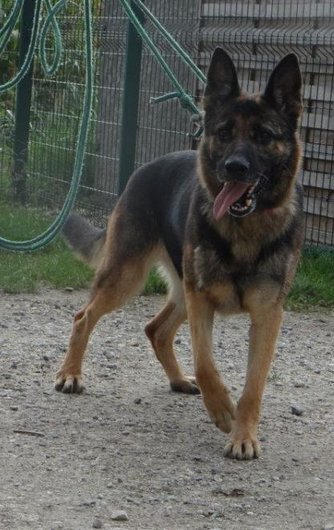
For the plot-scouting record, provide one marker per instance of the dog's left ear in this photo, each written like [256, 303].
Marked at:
[222, 81]
[283, 91]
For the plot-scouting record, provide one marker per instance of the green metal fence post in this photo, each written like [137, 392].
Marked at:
[22, 107]
[130, 103]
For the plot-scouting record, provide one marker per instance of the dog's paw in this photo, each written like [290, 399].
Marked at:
[223, 420]
[187, 385]
[221, 409]
[69, 384]
[242, 448]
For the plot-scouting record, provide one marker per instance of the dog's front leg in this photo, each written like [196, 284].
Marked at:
[215, 395]
[265, 326]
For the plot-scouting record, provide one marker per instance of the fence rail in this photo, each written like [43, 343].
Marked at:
[257, 33]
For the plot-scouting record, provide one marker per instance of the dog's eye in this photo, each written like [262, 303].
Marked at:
[264, 136]
[224, 134]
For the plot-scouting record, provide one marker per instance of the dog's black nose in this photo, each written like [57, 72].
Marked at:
[237, 166]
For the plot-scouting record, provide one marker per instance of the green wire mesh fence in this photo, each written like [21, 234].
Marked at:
[257, 33]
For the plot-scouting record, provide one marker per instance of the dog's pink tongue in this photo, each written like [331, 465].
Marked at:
[227, 196]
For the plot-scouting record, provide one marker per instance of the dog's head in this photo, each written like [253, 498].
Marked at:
[250, 152]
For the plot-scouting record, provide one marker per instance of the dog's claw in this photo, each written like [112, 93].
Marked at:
[187, 385]
[242, 449]
[69, 384]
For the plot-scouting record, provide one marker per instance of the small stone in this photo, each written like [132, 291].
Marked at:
[14, 407]
[88, 503]
[299, 384]
[198, 459]
[97, 523]
[119, 516]
[297, 410]
[207, 513]
[137, 401]
[69, 289]
[57, 526]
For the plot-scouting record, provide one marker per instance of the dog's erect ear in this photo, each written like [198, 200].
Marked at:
[283, 90]
[222, 81]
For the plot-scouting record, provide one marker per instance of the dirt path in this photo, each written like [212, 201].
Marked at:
[128, 444]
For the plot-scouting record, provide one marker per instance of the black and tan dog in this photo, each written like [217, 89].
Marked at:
[226, 224]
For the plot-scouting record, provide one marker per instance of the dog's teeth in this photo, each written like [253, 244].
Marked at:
[248, 203]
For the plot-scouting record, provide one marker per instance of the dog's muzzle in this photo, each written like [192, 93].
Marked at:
[236, 167]
[237, 196]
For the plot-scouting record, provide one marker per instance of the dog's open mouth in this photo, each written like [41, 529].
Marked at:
[236, 198]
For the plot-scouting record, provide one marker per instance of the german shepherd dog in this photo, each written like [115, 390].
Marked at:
[226, 224]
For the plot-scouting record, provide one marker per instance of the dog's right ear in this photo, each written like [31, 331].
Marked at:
[283, 90]
[222, 80]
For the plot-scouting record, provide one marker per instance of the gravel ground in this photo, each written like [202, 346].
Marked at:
[130, 454]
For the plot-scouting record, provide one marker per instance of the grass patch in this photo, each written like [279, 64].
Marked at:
[52, 267]
[55, 266]
[314, 282]
[155, 283]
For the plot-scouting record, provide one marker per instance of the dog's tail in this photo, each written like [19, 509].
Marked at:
[85, 240]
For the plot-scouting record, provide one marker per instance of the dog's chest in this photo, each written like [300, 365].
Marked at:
[224, 280]
[211, 264]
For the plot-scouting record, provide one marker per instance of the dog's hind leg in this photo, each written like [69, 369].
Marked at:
[115, 283]
[161, 331]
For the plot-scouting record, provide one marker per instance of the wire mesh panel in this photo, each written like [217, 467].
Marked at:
[60, 118]
[55, 109]
[110, 31]
[256, 33]
[165, 127]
